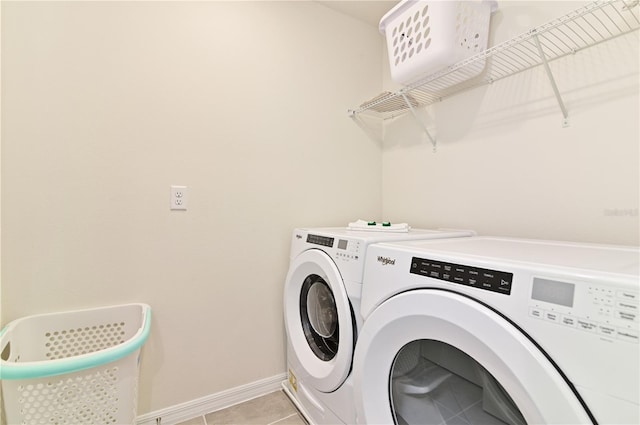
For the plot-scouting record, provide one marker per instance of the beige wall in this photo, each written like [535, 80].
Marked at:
[105, 105]
[505, 165]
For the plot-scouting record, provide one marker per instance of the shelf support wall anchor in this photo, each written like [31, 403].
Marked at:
[419, 120]
[554, 86]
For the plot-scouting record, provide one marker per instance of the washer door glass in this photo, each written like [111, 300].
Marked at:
[319, 317]
[435, 383]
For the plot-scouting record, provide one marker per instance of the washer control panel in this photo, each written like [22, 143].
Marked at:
[342, 249]
[347, 253]
[320, 240]
[490, 280]
[602, 310]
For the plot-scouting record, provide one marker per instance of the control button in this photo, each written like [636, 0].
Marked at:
[604, 311]
[628, 295]
[630, 316]
[627, 305]
[552, 316]
[535, 312]
[503, 288]
[587, 326]
[607, 330]
[628, 335]
[569, 321]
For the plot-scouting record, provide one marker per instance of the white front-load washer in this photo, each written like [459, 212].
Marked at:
[498, 330]
[321, 312]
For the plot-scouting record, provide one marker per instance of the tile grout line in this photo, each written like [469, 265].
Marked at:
[282, 419]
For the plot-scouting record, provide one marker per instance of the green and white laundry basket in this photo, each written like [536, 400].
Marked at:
[76, 367]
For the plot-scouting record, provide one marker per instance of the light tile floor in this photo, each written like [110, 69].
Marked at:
[271, 409]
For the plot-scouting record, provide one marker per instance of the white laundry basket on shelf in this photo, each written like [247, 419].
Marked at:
[424, 37]
[76, 367]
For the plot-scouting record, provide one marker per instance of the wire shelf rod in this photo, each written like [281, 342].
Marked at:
[585, 27]
[566, 39]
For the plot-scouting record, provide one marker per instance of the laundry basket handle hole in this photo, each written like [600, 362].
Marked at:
[6, 352]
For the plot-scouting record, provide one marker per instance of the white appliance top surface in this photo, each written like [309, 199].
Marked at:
[594, 257]
[382, 236]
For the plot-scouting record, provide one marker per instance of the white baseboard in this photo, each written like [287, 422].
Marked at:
[198, 407]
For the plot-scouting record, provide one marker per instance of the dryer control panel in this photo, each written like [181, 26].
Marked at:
[606, 311]
[477, 277]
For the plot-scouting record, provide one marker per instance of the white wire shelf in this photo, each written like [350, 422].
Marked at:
[585, 27]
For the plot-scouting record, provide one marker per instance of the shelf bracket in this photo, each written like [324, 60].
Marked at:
[554, 86]
[419, 120]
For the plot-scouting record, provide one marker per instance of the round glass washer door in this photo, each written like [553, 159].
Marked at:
[535, 390]
[318, 320]
[319, 317]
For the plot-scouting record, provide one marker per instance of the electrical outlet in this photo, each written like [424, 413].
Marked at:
[178, 198]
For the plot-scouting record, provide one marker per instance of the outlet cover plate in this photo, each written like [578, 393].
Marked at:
[178, 198]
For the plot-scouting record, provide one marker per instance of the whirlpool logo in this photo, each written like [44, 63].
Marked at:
[386, 260]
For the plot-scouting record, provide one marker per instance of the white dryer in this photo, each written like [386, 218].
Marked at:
[321, 312]
[497, 330]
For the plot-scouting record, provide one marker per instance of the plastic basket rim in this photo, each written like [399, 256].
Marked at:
[402, 6]
[45, 368]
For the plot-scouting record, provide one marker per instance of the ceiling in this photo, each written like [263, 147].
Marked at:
[369, 11]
